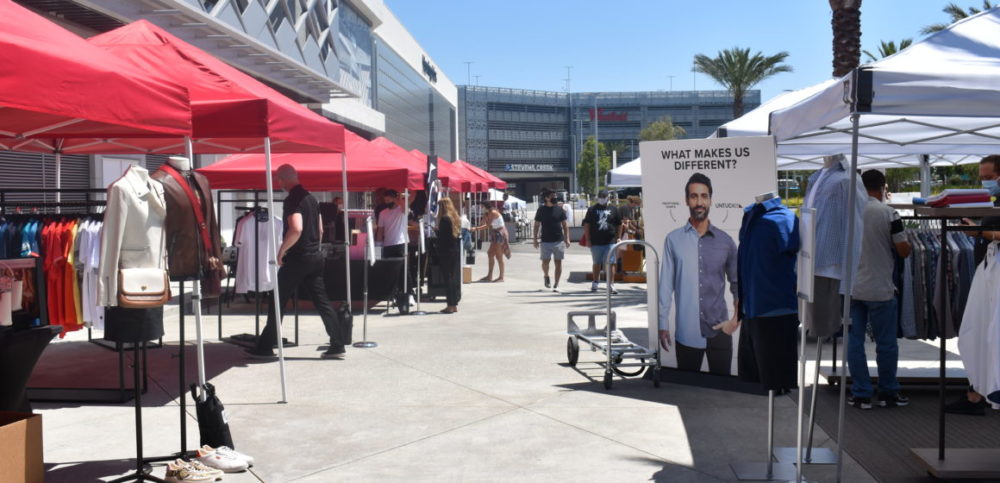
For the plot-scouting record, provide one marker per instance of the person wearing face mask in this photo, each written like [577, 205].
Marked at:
[601, 224]
[301, 266]
[873, 302]
[973, 403]
[698, 259]
[392, 229]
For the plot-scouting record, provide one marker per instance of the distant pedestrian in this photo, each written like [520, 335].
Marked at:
[601, 226]
[551, 221]
[499, 247]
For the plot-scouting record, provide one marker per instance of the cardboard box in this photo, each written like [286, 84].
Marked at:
[467, 274]
[21, 440]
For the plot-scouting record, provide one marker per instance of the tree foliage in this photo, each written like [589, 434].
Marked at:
[738, 71]
[886, 49]
[663, 129]
[956, 13]
[585, 167]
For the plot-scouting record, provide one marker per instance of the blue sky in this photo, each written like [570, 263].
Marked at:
[634, 45]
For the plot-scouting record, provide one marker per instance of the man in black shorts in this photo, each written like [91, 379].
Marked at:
[555, 236]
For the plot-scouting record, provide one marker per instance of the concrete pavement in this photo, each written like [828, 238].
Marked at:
[481, 395]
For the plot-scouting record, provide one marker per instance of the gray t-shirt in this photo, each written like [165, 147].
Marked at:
[882, 229]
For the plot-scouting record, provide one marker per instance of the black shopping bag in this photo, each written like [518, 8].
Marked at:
[213, 425]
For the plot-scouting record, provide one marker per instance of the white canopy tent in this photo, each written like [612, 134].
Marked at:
[628, 175]
[940, 95]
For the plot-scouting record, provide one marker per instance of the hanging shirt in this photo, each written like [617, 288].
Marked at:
[692, 279]
[246, 264]
[828, 191]
[979, 335]
[769, 243]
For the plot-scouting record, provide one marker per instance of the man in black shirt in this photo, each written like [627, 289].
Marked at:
[555, 236]
[601, 225]
[301, 265]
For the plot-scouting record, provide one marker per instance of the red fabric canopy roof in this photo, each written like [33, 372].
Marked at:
[62, 92]
[450, 177]
[481, 184]
[233, 112]
[495, 182]
[368, 168]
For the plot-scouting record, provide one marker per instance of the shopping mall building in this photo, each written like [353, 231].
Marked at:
[350, 60]
[529, 138]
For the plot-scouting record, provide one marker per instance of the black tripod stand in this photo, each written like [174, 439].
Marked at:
[142, 467]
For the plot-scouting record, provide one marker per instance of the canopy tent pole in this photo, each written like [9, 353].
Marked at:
[58, 178]
[925, 175]
[272, 265]
[406, 246]
[347, 230]
[196, 298]
[848, 286]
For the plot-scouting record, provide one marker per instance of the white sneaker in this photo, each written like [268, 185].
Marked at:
[231, 451]
[199, 466]
[181, 472]
[221, 460]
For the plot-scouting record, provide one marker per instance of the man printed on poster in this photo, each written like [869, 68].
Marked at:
[698, 259]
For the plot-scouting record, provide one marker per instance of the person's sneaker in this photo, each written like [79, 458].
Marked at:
[613, 291]
[555, 289]
[211, 472]
[966, 407]
[593, 286]
[180, 473]
[860, 402]
[226, 450]
[548, 283]
[254, 353]
[220, 460]
[893, 400]
[334, 353]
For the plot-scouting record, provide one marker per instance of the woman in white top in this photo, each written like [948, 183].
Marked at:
[499, 246]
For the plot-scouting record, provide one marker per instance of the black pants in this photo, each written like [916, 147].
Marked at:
[450, 265]
[304, 274]
[768, 351]
[396, 251]
[719, 350]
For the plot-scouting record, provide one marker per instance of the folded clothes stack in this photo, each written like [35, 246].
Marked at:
[959, 198]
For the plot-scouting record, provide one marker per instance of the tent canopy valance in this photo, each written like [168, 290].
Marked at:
[57, 92]
[474, 183]
[938, 96]
[494, 182]
[368, 168]
[232, 112]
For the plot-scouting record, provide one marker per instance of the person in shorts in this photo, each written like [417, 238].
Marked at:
[550, 219]
[602, 227]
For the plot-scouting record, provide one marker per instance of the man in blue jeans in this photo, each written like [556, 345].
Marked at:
[873, 301]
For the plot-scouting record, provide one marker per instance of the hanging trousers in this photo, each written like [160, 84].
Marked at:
[306, 275]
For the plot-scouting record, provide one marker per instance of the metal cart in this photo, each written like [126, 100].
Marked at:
[624, 357]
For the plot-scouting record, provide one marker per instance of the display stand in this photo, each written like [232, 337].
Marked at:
[420, 274]
[983, 463]
[364, 343]
[768, 470]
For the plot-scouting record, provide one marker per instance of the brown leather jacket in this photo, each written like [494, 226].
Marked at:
[186, 258]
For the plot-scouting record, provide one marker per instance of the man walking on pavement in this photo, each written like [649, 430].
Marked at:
[301, 266]
[555, 236]
[602, 227]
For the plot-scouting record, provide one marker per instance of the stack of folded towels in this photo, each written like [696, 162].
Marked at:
[958, 198]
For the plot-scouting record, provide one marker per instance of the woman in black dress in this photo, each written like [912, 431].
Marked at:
[449, 253]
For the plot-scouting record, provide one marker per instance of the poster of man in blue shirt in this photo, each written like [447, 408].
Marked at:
[698, 261]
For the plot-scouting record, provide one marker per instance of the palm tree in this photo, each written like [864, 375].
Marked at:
[956, 13]
[888, 48]
[846, 35]
[738, 71]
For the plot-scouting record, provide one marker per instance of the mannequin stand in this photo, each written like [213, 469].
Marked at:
[364, 343]
[811, 456]
[142, 468]
[769, 470]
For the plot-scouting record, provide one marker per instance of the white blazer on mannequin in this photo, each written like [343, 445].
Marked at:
[133, 230]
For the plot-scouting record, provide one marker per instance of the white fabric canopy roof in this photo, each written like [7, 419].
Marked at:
[628, 175]
[941, 95]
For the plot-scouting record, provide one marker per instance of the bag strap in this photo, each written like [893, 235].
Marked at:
[199, 216]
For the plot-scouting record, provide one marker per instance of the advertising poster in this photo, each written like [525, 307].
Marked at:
[694, 192]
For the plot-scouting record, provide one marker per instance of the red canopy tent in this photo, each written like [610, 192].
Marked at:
[495, 182]
[480, 184]
[450, 177]
[232, 111]
[59, 94]
[368, 168]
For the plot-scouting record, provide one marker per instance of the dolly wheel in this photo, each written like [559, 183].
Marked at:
[572, 351]
[607, 380]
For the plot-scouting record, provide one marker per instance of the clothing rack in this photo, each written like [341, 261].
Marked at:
[962, 462]
[246, 339]
[61, 394]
